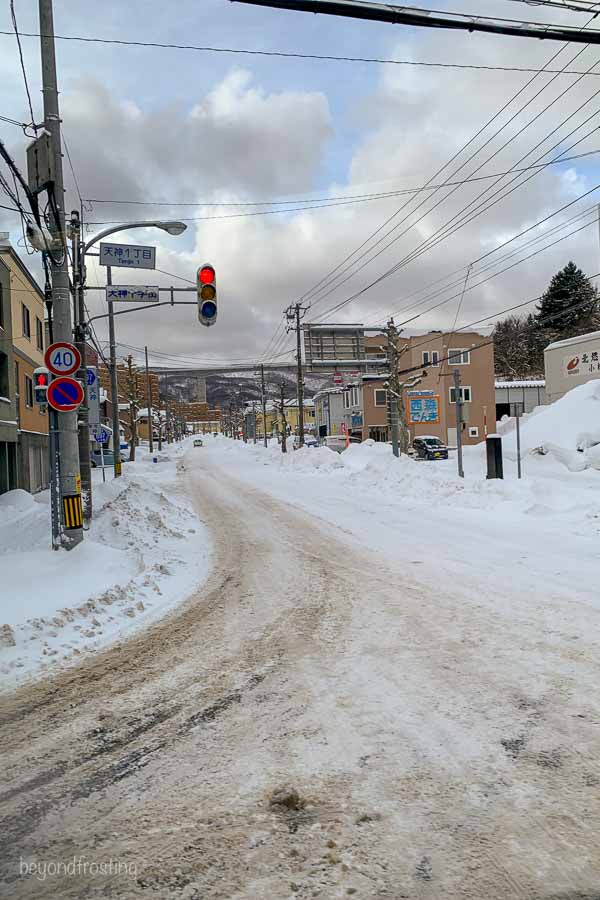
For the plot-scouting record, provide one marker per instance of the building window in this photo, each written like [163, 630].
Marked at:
[28, 391]
[465, 394]
[354, 396]
[459, 357]
[4, 385]
[39, 333]
[473, 431]
[431, 358]
[26, 321]
[2, 306]
[380, 397]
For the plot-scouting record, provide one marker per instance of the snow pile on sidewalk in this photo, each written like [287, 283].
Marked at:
[145, 552]
[568, 430]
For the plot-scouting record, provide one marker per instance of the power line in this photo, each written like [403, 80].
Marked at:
[292, 55]
[380, 195]
[430, 18]
[16, 30]
[64, 140]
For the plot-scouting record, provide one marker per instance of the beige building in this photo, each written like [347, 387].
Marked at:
[27, 315]
[431, 405]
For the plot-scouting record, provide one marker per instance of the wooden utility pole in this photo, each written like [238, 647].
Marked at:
[283, 418]
[293, 314]
[459, 404]
[133, 401]
[263, 400]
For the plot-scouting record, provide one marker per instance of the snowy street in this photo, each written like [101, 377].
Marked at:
[438, 720]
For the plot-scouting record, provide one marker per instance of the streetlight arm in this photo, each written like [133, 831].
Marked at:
[128, 226]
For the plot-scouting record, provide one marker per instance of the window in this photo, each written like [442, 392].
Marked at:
[28, 390]
[26, 321]
[39, 333]
[459, 357]
[380, 397]
[4, 385]
[354, 396]
[346, 399]
[431, 358]
[473, 431]
[465, 394]
[2, 306]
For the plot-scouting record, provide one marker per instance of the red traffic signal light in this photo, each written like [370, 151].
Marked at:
[207, 294]
[41, 380]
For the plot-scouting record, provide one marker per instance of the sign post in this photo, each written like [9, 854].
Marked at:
[93, 392]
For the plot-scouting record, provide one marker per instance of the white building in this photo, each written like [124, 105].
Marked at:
[571, 362]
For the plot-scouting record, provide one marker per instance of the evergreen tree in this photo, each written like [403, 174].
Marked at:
[569, 306]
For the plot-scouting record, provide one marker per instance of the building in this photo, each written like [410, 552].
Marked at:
[527, 393]
[571, 362]
[27, 315]
[329, 411]
[8, 390]
[430, 405]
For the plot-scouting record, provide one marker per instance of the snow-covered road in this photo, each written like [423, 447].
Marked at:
[443, 741]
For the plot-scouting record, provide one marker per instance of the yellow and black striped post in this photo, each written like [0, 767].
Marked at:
[72, 511]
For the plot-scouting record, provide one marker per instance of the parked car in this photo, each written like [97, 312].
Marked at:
[309, 441]
[429, 447]
[337, 442]
[198, 442]
[96, 458]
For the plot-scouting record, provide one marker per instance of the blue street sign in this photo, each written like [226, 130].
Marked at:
[100, 435]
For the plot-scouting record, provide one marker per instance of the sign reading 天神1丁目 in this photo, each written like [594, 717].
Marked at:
[129, 256]
[132, 293]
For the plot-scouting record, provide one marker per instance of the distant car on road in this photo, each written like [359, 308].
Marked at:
[429, 447]
[309, 441]
[198, 442]
[337, 442]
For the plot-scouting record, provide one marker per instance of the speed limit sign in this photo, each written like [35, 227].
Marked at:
[62, 358]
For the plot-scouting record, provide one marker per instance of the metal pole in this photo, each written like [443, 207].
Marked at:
[85, 465]
[149, 405]
[458, 398]
[114, 387]
[102, 462]
[254, 417]
[300, 379]
[63, 328]
[264, 402]
[54, 477]
[518, 445]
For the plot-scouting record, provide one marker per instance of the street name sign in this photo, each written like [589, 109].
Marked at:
[65, 394]
[129, 256]
[62, 358]
[100, 434]
[132, 293]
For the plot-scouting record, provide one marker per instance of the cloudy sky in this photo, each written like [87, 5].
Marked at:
[176, 127]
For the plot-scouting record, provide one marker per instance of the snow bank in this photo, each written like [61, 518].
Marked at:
[566, 429]
[145, 552]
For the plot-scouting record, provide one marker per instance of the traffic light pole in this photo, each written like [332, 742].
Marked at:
[59, 267]
[83, 422]
[114, 386]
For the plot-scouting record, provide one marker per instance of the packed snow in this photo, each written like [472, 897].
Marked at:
[146, 551]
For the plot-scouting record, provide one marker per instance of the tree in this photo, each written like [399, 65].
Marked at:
[569, 306]
[511, 347]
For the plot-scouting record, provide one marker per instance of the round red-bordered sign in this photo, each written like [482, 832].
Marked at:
[62, 358]
[64, 394]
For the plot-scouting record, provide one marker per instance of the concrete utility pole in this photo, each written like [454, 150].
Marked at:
[459, 403]
[149, 405]
[263, 401]
[85, 465]
[70, 483]
[293, 315]
[393, 384]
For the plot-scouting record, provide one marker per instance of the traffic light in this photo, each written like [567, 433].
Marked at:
[41, 380]
[206, 285]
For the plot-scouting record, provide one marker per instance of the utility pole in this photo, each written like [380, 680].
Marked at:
[459, 403]
[83, 426]
[254, 417]
[70, 482]
[393, 384]
[114, 384]
[149, 405]
[283, 419]
[263, 401]
[293, 315]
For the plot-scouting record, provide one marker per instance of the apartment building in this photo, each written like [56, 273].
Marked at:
[8, 391]
[27, 315]
[431, 405]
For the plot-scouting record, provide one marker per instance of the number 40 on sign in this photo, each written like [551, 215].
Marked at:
[62, 358]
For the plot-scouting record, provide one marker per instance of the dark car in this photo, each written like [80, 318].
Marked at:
[96, 458]
[427, 447]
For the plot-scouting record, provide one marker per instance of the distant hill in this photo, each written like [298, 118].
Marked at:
[245, 386]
